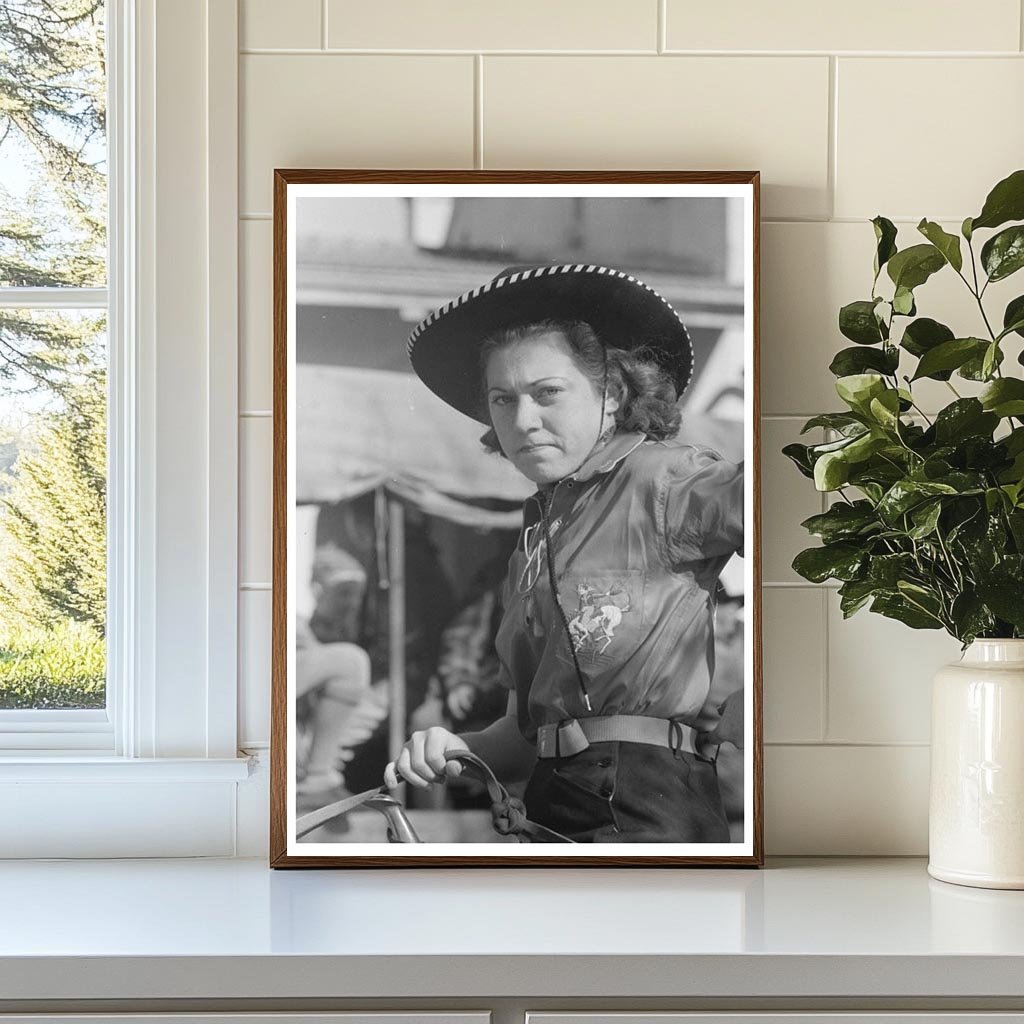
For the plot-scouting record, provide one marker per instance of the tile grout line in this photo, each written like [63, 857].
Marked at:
[258, 51]
[824, 715]
[831, 171]
[478, 111]
[662, 29]
[1020, 24]
[323, 24]
[850, 744]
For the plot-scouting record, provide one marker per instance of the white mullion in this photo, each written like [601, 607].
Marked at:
[53, 298]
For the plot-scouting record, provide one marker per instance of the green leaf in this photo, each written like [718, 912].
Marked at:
[965, 229]
[947, 244]
[1005, 202]
[1003, 254]
[850, 361]
[903, 302]
[885, 409]
[1013, 317]
[970, 617]
[843, 521]
[912, 267]
[857, 321]
[831, 471]
[925, 518]
[897, 607]
[858, 389]
[840, 561]
[865, 446]
[841, 421]
[904, 495]
[885, 571]
[966, 417]
[1004, 397]
[1005, 596]
[974, 368]
[949, 356]
[799, 454]
[923, 335]
[993, 357]
[885, 236]
[854, 594]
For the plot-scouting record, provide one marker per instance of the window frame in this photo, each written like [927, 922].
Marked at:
[171, 730]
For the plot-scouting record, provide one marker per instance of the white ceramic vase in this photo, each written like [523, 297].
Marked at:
[976, 814]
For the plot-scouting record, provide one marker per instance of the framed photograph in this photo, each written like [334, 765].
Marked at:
[516, 553]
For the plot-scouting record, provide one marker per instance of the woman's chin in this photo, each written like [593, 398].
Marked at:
[540, 469]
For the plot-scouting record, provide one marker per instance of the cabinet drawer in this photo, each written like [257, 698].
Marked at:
[852, 1017]
[360, 1017]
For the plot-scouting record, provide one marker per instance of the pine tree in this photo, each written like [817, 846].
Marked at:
[53, 234]
[53, 121]
[53, 519]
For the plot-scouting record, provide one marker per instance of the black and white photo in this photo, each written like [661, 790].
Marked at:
[516, 569]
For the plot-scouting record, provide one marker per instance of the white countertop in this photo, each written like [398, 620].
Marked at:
[235, 929]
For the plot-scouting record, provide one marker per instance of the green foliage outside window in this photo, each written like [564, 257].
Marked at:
[52, 365]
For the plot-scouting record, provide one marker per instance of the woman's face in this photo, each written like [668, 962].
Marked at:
[545, 410]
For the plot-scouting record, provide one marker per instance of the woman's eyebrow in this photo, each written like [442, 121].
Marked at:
[532, 383]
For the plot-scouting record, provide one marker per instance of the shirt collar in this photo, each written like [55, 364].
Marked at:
[603, 460]
[608, 457]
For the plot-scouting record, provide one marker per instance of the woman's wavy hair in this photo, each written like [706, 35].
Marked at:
[645, 390]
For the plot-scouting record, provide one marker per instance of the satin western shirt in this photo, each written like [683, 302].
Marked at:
[640, 534]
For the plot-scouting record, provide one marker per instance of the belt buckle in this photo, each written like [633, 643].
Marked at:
[546, 740]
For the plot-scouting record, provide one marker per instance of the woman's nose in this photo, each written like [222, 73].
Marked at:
[527, 414]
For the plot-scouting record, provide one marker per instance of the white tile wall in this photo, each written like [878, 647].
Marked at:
[794, 664]
[256, 290]
[472, 25]
[787, 499]
[256, 440]
[260, 24]
[961, 130]
[254, 624]
[328, 110]
[921, 120]
[698, 113]
[877, 25]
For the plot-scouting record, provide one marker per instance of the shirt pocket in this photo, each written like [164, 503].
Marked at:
[606, 617]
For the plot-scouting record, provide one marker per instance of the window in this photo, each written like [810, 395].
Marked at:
[53, 371]
[155, 771]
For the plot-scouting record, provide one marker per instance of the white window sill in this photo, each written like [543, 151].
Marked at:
[88, 806]
[79, 767]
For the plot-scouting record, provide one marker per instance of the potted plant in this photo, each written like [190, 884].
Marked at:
[927, 521]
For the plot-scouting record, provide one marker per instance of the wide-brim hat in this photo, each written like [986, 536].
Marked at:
[624, 312]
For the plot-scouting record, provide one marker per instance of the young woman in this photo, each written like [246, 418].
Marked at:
[607, 641]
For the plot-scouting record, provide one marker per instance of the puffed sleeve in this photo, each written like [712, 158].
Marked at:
[701, 504]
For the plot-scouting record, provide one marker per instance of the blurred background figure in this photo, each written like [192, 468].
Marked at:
[332, 672]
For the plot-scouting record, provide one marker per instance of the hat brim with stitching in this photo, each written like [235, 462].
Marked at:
[624, 312]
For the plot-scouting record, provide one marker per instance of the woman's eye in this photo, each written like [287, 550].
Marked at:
[499, 399]
[549, 392]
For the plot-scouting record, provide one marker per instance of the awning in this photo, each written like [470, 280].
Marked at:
[361, 429]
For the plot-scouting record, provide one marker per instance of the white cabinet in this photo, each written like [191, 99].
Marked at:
[362, 1017]
[785, 1017]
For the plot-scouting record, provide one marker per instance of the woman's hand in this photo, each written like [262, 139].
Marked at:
[730, 726]
[422, 761]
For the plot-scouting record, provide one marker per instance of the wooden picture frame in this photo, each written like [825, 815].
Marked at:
[368, 557]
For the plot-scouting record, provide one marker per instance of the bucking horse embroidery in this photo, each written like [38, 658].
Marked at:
[599, 613]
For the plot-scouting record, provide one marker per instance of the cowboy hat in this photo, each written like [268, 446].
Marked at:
[624, 313]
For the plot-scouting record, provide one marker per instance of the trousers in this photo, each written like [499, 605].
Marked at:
[628, 793]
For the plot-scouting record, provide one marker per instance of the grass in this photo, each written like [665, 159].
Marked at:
[60, 667]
